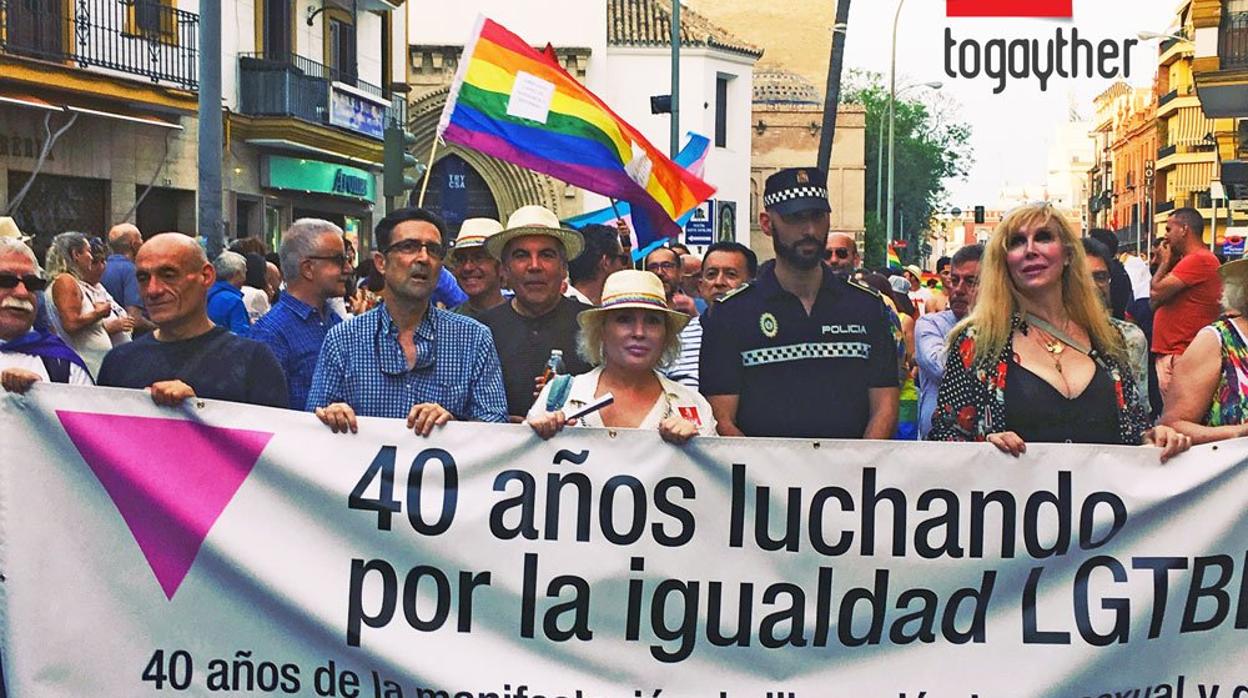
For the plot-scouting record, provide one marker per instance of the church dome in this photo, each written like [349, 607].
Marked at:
[777, 86]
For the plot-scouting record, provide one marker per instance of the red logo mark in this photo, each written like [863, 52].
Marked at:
[1009, 8]
[691, 414]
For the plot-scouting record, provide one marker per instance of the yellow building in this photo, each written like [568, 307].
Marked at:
[1187, 156]
[116, 84]
[1220, 69]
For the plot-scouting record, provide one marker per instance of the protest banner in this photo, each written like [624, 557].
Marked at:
[225, 548]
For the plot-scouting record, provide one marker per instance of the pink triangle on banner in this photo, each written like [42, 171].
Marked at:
[169, 478]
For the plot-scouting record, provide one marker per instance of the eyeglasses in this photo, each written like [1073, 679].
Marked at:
[1101, 277]
[661, 266]
[968, 281]
[412, 248]
[32, 282]
[838, 252]
[337, 259]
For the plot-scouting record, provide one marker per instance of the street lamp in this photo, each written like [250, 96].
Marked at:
[879, 160]
[892, 117]
[1154, 36]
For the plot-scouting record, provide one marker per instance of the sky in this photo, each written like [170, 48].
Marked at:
[1011, 131]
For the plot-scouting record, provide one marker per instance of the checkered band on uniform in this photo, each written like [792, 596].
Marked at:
[807, 350]
[795, 193]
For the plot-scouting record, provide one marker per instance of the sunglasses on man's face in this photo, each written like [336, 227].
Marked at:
[32, 282]
[838, 252]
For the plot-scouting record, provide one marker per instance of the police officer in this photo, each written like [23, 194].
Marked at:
[802, 351]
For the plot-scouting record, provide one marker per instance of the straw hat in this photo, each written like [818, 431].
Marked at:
[474, 232]
[9, 229]
[535, 220]
[631, 288]
[914, 269]
[1234, 272]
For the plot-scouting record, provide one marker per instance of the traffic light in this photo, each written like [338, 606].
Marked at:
[979, 214]
[398, 159]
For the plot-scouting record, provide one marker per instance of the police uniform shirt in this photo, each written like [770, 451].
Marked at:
[799, 375]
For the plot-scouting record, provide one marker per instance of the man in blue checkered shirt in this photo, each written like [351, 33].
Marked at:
[316, 268]
[407, 358]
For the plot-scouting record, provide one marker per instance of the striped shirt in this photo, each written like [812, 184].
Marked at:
[684, 369]
[457, 367]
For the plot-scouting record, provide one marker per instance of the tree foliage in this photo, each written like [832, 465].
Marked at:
[931, 147]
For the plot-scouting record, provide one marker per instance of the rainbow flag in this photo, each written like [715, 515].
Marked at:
[692, 157]
[515, 103]
[893, 259]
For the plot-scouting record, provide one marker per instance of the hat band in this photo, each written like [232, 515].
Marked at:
[470, 241]
[649, 299]
[798, 193]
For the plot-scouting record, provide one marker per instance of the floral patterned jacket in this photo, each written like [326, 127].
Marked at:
[971, 401]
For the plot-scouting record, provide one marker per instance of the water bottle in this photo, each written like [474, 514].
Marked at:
[554, 365]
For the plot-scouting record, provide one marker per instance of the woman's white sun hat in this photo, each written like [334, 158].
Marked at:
[630, 288]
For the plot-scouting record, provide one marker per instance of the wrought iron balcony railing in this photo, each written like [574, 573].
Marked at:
[290, 85]
[143, 38]
[1233, 40]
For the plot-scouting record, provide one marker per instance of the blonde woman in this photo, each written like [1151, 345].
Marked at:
[81, 311]
[627, 338]
[1037, 360]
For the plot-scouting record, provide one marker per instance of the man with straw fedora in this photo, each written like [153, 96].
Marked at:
[534, 250]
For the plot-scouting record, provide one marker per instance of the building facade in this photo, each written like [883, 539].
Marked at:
[309, 88]
[1190, 131]
[97, 103]
[1220, 69]
[1134, 194]
[306, 88]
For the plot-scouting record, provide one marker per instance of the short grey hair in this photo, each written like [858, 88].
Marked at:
[1235, 296]
[15, 247]
[229, 264]
[61, 254]
[299, 241]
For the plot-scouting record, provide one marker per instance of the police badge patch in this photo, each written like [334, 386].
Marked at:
[767, 323]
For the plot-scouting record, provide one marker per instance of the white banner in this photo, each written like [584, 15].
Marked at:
[223, 548]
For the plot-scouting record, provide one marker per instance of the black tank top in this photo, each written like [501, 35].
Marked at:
[1039, 413]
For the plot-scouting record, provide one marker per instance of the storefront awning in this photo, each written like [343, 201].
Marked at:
[74, 106]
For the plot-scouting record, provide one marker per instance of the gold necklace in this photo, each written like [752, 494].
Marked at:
[1054, 347]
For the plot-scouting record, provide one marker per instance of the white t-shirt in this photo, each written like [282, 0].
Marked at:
[676, 399]
[34, 364]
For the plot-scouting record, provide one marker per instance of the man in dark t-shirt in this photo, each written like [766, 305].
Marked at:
[534, 250]
[187, 356]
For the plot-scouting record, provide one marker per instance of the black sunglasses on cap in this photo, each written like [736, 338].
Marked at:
[32, 282]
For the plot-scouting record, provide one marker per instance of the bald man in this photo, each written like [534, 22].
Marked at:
[124, 240]
[841, 253]
[187, 356]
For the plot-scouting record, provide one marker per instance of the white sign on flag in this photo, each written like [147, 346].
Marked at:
[227, 548]
[530, 97]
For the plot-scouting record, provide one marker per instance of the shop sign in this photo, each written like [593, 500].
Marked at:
[357, 112]
[317, 177]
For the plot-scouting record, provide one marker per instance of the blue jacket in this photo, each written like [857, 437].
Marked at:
[226, 309]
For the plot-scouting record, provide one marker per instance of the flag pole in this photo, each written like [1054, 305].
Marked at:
[428, 171]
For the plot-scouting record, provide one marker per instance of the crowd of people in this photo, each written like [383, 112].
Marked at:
[1036, 335]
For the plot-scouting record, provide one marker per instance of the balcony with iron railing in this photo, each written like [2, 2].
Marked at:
[1167, 151]
[1233, 40]
[291, 85]
[140, 38]
[1164, 206]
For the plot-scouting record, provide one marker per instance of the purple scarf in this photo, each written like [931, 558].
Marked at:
[44, 344]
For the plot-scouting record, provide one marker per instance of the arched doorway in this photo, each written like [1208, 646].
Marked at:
[457, 192]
